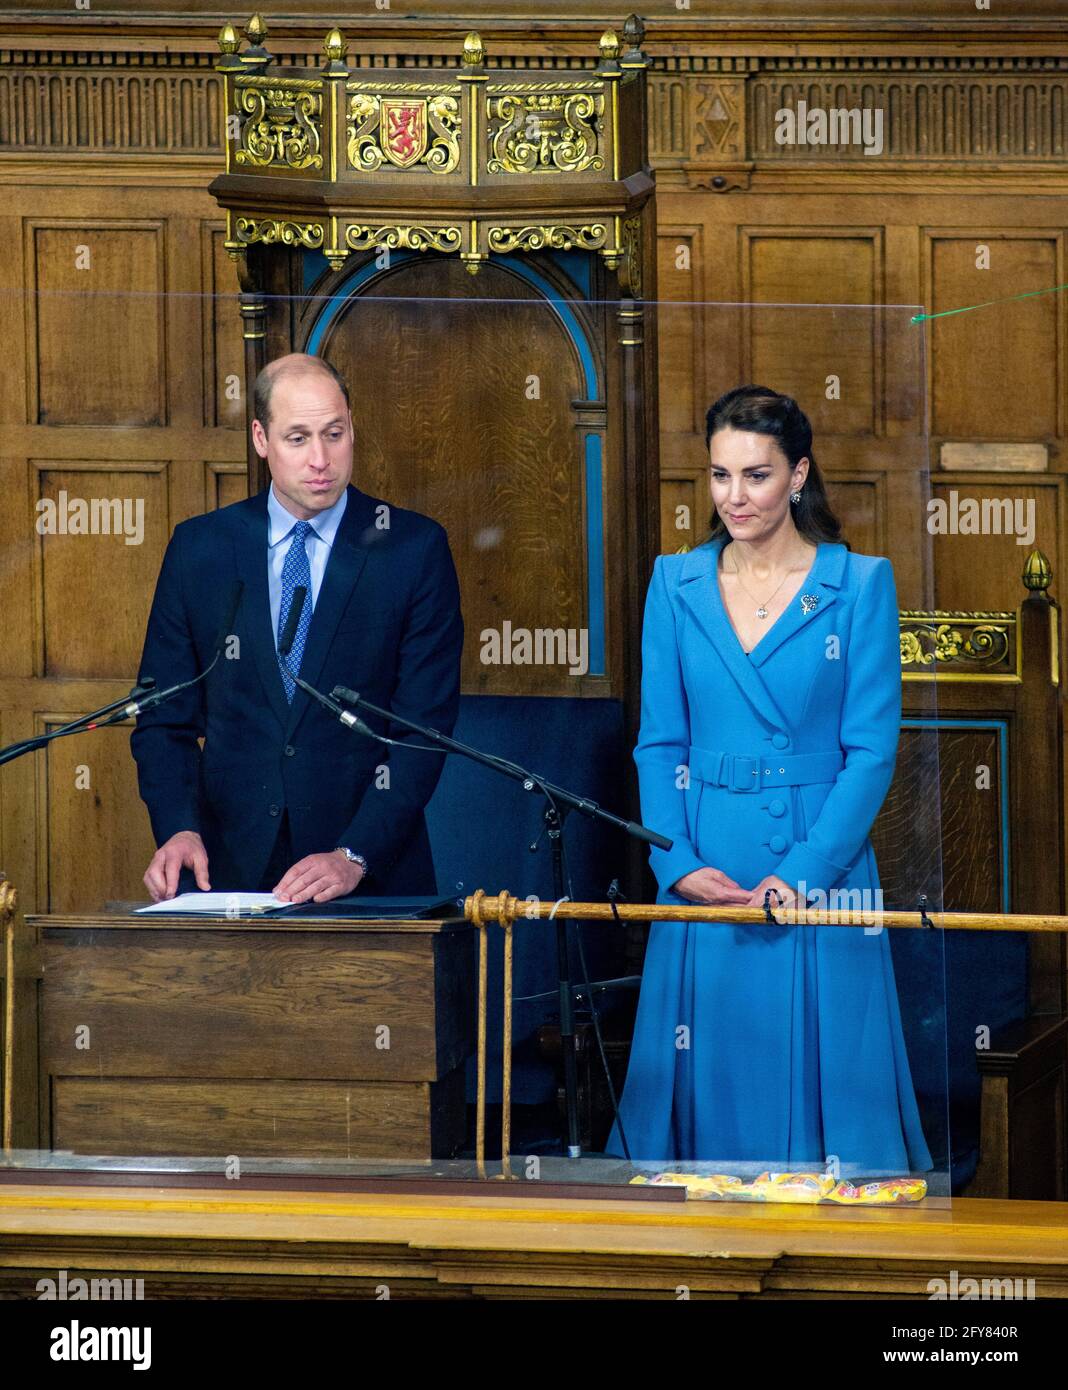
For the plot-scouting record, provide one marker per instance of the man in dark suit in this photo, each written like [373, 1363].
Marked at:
[282, 796]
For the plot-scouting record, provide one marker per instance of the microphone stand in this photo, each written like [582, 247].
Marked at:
[143, 696]
[556, 797]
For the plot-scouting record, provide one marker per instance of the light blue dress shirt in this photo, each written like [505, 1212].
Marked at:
[317, 543]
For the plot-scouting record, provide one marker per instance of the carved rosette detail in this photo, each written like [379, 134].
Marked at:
[277, 230]
[403, 130]
[928, 643]
[545, 132]
[557, 237]
[397, 238]
[280, 125]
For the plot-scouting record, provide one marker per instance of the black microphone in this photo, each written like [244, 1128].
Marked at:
[289, 632]
[145, 695]
[231, 614]
[350, 697]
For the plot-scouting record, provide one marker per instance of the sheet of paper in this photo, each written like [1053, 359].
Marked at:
[218, 904]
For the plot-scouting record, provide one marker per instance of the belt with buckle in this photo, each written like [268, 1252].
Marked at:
[739, 772]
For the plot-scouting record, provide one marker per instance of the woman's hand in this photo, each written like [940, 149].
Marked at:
[787, 896]
[712, 887]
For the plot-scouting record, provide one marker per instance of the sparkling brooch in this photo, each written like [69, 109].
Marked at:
[808, 602]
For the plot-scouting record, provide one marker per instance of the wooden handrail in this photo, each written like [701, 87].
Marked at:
[503, 908]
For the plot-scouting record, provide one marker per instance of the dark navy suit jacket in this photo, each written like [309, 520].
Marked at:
[386, 623]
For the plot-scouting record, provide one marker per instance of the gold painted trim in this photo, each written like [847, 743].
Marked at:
[404, 88]
[480, 1098]
[506, 1052]
[335, 125]
[511, 88]
[941, 677]
[295, 84]
[615, 133]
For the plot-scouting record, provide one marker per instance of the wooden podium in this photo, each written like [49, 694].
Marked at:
[325, 1038]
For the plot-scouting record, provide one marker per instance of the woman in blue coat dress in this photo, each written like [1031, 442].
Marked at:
[771, 705]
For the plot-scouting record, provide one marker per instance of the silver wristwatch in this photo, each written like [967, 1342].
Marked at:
[353, 858]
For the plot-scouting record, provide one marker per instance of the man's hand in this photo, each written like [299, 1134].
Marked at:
[712, 887]
[319, 877]
[182, 851]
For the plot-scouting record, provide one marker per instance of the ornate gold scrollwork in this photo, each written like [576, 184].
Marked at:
[411, 238]
[395, 126]
[631, 265]
[271, 230]
[558, 237]
[926, 641]
[281, 122]
[533, 130]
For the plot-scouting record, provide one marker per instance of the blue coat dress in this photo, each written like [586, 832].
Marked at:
[775, 1045]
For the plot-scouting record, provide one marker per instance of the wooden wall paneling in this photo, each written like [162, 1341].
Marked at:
[682, 321]
[224, 352]
[92, 846]
[978, 571]
[859, 500]
[685, 508]
[224, 483]
[997, 373]
[98, 286]
[110, 408]
[799, 348]
[94, 591]
[682, 317]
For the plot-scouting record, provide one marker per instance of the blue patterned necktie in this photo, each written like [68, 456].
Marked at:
[296, 572]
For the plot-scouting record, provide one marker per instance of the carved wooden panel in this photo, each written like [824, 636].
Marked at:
[811, 351]
[982, 571]
[937, 833]
[681, 314]
[859, 503]
[96, 565]
[92, 845]
[224, 483]
[127, 112]
[997, 373]
[973, 119]
[96, 288]
[684, 511]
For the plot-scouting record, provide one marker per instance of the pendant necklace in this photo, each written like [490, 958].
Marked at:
[762, 609]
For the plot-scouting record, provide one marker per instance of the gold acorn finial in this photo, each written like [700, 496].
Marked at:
[334, 46]
[255, 56]
[609, 45]
[228, 39]
[474, 50]
[1037, 575]
[633, 30]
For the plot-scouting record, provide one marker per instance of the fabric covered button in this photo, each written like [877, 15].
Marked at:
[777, 808]
[780, 741]
[777, 844]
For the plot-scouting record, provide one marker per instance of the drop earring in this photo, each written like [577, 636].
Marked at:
[795, 498]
